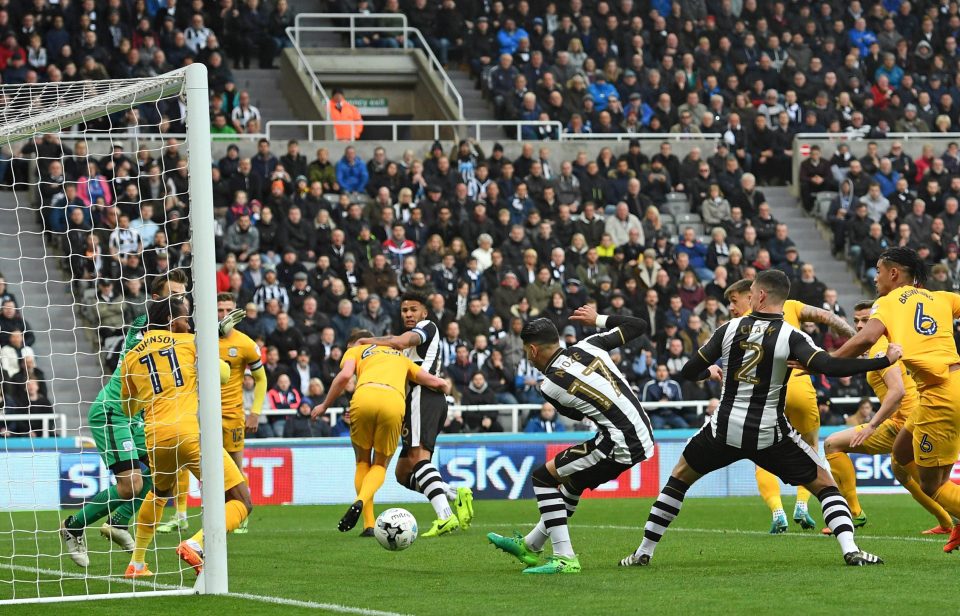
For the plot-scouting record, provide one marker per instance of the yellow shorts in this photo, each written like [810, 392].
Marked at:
[234, 429]
[936, 424]
[802, 410]
[376, 417]
[168, 457]
[881, 441]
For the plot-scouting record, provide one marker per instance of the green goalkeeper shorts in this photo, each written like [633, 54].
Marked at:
[120, 440]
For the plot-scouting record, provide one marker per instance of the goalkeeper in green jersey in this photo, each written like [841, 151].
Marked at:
[121, 442]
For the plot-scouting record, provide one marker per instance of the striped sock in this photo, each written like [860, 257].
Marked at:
[433, 487]
[553, 516]
[661, 514]
[836, 515]
[538, 536]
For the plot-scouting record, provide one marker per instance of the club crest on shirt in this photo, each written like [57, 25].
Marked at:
[233, 352]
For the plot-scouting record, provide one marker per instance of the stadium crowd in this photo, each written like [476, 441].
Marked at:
[315, 247]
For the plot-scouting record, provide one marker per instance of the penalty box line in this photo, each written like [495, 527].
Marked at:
[157, 586]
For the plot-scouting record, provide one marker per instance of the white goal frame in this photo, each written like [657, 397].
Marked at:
[190, 83]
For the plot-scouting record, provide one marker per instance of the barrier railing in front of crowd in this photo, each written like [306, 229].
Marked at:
[472, 126]
[516, 425]
[352, 30]
[802, 142]
[51, 425]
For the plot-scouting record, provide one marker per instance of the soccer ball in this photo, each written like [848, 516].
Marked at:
[396, 529]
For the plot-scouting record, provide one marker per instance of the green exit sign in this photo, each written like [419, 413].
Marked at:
[372, 106]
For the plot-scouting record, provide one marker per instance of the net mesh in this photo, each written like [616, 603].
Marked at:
[94, 211]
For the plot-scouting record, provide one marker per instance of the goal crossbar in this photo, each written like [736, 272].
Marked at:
[35, 109]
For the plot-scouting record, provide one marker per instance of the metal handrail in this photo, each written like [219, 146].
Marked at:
[514, 409]
[293, 32]
[474, 125]
[640, 136]
[59, 421]
[303, 66]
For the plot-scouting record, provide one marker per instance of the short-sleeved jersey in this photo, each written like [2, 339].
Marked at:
[921, 321]
[383, 365]
[240, 353]
[160, 377]
[427, 352]
[755, 350]
[875, 379]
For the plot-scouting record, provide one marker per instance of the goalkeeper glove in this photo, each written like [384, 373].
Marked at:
[229, 321]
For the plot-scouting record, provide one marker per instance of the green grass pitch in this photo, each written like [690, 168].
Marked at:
[717, 557]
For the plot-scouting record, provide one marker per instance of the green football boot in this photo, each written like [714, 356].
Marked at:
[173, 524]
[464, 507]
[556, 564]
[443, 527]
[779, 524]
[242, 529]
[515, 546]
[802, 517]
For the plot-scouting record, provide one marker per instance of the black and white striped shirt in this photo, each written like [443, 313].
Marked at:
[427, 354]
[582, 381]
[266, 292]
[754, 351]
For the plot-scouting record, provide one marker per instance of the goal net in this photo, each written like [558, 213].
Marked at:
[105, 197]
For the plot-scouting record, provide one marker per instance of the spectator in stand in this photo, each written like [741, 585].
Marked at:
[340, 110]
[352, 174]
[301, 425]
[545, 420]
[282, 397]
[663, 389]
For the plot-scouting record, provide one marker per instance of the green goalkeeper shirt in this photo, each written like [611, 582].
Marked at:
[108, 401]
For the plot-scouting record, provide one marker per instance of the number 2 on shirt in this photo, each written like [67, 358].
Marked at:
[752, 355]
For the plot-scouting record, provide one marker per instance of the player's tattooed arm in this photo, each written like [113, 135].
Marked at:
[830, 319]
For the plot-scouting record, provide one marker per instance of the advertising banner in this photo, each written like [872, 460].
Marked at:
[320, 471]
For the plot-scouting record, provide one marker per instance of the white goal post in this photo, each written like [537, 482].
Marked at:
[26, 113]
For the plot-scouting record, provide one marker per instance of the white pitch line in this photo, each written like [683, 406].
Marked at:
[330, 607]
[722, 531]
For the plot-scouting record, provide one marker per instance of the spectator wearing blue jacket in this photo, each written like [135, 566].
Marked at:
[352, 174]
[510, 35]
[887, 177]
[861, 37]
[663, 389]
[545, 421]
[697, 252]
[889, 68]
[601, 91]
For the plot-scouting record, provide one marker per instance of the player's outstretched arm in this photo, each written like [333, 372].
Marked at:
[863, 340]
[622, 329]
[337, 387]
[399, 343]
[823, 363]
[422, 377]
[890, 403]
[812, 314]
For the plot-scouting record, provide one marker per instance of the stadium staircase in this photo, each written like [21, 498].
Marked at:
[814, 246]
[263, 84]
[63, 349]
[475, 107]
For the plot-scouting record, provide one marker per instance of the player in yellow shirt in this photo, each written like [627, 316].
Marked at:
[160, 379]
[921, 322]
[376, 414]
[801, 406]
[898, 401]
[241, 353]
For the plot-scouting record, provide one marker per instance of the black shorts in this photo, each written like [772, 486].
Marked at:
[792, 460]
[424, 419]
[588, 465]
